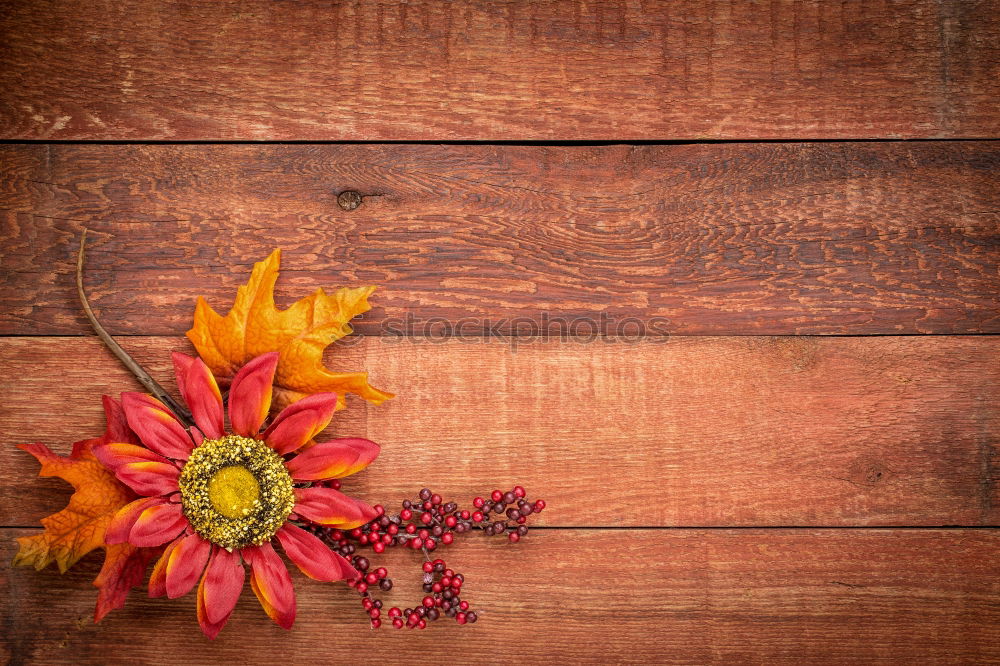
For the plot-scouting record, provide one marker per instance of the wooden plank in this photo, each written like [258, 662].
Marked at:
[568, 69]
[849, 238]
[693, 431]
[680, 596]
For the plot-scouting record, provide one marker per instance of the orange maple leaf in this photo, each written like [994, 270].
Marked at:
[79, 528]
[254, 326]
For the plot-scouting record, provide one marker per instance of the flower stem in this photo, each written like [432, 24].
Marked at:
[144, 377]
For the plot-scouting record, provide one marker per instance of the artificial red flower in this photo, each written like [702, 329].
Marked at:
[217, 499]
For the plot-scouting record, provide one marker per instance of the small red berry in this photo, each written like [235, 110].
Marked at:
[356, 532]
[519, 491]
[464, 514]
[411, 528]
[362, 587]
[460, 618]
[446, 539]
[464, 605]
[374, 613]
[496, 495]
[478, 516]
[371, 578]
[539, 505]
[405, 514]
[398, 623]
[450, 521]
[428, 567]
[478, 502]
[379, 509]
[430, 544]
[448, 572]
[425, 517]
[393, 529]
[422, 624]
[446, 581]
[416, 544]
[513, 537]
[428, 602]
[395, 612]
[376, 623]
[435, 499]
[379, 547]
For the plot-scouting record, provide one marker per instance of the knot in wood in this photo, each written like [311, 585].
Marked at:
[349, 200]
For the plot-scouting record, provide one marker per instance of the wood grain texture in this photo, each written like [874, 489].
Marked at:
[846, 238]
[695, 431]
[593, 596]
[565, 69]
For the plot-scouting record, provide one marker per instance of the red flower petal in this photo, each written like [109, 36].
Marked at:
[219, 590]
[333, 460]
[122, 522]
[300, 422]
[185, 565]
[158, 579]
[115, 454]
[156, 426]
[201, 393]
[250, 394]
[157, 524]
[149, 478]
[271, 583]
[310, 555]
[117, 429]
[332, 508]
[223, 583]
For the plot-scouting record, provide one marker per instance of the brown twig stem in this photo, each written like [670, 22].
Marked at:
[144, 377]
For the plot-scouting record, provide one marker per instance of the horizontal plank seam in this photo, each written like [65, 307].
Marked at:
[550, 338]
[479, 142]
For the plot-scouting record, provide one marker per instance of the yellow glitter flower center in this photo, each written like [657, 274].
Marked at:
[233, 491]
[236, 491]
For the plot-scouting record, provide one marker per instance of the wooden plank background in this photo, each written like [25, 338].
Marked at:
[567, 69]
[643, 596]
[842, 238]
[797, 460]
[720, 431]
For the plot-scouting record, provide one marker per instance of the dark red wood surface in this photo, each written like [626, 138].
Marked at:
[826, 495]
[568, 69]
[708, 431]
[841, 238]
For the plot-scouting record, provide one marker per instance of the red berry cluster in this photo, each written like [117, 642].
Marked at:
[424, 524]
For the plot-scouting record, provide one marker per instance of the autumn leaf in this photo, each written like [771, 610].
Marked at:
[79, 528]
[300, 334]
